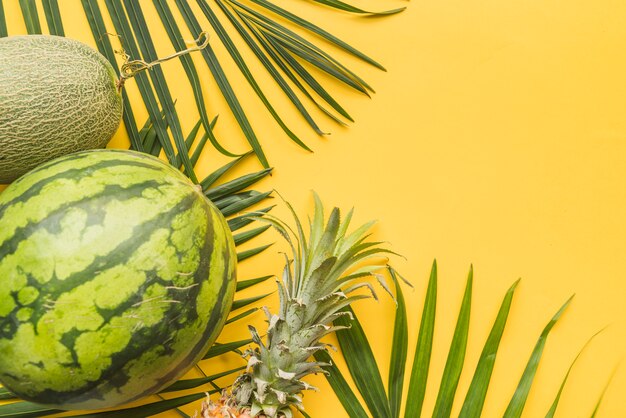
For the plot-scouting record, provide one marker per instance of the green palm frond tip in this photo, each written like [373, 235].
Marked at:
[327, 267]
[367, 377]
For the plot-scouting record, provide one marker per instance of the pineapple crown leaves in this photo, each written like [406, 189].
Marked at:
[317, 270]
[324, 274]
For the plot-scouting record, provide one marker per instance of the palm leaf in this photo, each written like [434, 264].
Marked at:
[176, 38]
[186, 384]
[316, 30]
[337, 4]
[364, 368]
[475, 397]
[222, 81]
[53, 17]
[219, 349]
[421, 360]
[150, 408]
[341, 387]
[601, 397]
[270, 67]
[399, 350]
[456, 355]
[555, 404]
[278, 46]
[25, 410]
[243, 67]
[362, 365]
[3, 22]
[31, 18]
[5, 394]
[516, 406]
[146, 46]
[98, 29]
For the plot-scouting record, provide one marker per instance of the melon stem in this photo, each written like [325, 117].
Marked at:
[131, 68]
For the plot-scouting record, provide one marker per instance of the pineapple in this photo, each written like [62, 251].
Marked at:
[316, 284]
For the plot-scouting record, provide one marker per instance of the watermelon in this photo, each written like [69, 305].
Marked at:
[116, 276]
[57, 96]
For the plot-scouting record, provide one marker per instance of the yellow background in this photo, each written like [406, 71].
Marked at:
[497, 137]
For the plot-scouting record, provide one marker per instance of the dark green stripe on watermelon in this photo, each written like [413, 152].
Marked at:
[125, 249]
[71, 173]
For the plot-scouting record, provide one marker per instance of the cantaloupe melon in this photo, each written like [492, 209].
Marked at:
[57, 96]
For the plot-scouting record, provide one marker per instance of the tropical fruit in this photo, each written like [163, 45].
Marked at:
[315, 287]
[116, 275]
[57, 96]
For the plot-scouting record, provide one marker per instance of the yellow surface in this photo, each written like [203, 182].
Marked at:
[497, 137]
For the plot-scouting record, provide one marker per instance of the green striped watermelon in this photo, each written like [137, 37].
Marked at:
[116, 275]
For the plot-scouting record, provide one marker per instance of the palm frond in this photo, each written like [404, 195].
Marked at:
[53, 17]
[456, 355]
[31, 18]
[557, 398]
[601, 397]
[175, 36]
[477, 392]
[365, 373]
[338, 4]
[274, 36]
[3, 22]
[421, 359]
[399, 351]
[516, 406]
[363, 368]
